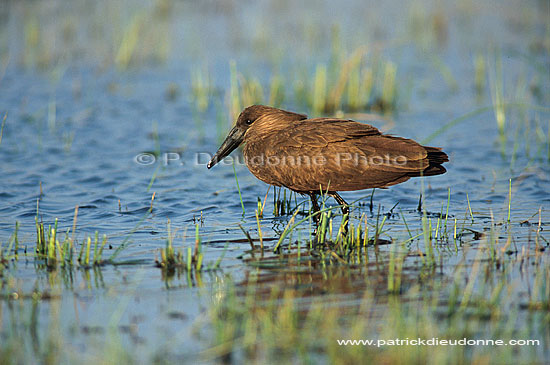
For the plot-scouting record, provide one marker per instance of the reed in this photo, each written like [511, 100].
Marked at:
[2, 126]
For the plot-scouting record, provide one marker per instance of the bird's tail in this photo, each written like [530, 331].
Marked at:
[436, 157]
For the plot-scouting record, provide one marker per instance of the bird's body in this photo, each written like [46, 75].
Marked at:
[308, 156]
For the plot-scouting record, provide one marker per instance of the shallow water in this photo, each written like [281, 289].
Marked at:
[81, 131]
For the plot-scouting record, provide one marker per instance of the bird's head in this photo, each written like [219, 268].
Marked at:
[255, 116]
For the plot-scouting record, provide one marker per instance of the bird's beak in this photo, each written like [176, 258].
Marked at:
[232, 141]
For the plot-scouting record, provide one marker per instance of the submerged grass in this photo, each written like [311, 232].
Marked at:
[186, 259]
[347, 84]
[238, 188]
[202, 89]
[54, 252]
[54, 249]
[499, 105]
[2, 127]
[439, 234]
[283, 204]
[398, 294]
[300, 302]
[263, 324]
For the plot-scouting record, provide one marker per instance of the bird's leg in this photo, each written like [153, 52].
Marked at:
[314, 207]
[345, 209]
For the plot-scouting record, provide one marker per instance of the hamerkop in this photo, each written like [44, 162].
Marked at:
[310, 156]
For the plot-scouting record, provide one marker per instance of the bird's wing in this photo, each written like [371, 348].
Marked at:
[343, 155]
[319, 132]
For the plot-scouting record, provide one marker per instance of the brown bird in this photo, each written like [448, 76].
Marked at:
[310, 156]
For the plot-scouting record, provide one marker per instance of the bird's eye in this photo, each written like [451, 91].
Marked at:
[249, 122]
